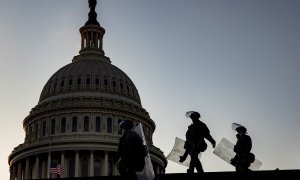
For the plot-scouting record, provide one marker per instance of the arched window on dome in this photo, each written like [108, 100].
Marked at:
[98, 124]
[97, 82]
[62, 83]
[114, 84]
[44, 128]
[70, 82]
[133, 92]
[49, 87]
[97, 168]
[88, 81]
[86, 123]
[128, 90]
[53, 126]
[63, 125]
[36, 130]
[74, 124]
[55, 85]
[72, 168]
[109, 125]
[84, 168]
[105, 82]
[78, 81]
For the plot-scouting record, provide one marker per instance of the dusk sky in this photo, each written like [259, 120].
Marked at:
[231, 60]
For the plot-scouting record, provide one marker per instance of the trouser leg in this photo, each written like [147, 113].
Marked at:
[195, 162]
[199, 167]
[192, 166]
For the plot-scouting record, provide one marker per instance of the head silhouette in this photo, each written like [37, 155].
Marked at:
[241, 129]
[126, 124]
[195, 116]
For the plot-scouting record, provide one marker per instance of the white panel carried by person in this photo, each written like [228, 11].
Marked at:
[177, 151]
[147, 173]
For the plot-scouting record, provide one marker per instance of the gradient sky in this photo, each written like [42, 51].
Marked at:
[232, 61]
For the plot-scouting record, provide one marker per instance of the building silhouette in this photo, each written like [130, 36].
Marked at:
[75, 123]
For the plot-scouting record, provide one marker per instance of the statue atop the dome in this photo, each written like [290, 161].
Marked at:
[92, 14]
[92, 4]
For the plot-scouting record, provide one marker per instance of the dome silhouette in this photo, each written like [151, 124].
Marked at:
[92, 75]
[75, 123]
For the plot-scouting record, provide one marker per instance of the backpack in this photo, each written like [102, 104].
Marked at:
[251, 157]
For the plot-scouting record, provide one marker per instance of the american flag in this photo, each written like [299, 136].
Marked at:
[56, 168]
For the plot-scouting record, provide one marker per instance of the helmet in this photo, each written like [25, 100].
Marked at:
[192, 114]
[126, 124]
[239, 128]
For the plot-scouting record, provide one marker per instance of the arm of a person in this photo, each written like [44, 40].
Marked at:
[211, 140]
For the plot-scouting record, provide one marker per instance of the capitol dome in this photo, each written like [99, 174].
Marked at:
[91, 75]
[75, 123]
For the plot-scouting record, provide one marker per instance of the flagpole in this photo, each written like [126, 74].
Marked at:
[49, 158]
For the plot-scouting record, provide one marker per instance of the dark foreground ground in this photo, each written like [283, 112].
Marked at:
[255, 175]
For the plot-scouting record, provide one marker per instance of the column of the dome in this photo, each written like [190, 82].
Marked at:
[97, 40]
[36, 168]
[92, 39]
[19, 175]
[86, 34]
[82, 41]
[101, 42]
[77, 164]
[88, 39]
[62, 161]
[14, 172]
[49, 164]
[91, 172]
[27, 168]
[105, 164]
[44, 170]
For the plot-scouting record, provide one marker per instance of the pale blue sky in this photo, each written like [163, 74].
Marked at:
[231, 60]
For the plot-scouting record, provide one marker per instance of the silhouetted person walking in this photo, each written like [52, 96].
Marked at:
[195, 143]
[242, 148]
[130, 157]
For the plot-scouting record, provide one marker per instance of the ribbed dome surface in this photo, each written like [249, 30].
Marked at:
[90, 74]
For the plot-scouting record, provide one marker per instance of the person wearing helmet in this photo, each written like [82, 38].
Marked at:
[130, 156]
[195, 143]
[242, 148]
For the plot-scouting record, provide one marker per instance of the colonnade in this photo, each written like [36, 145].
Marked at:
[76, 164]
[38, 166]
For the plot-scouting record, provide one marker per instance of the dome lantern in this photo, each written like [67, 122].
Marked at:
[92, 33]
